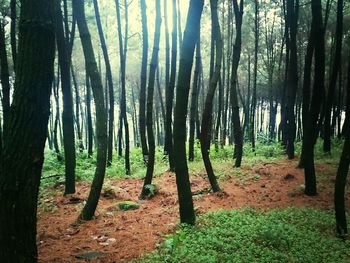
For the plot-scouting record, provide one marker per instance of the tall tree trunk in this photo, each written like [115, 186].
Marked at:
[13, 6]
[101, 119]
[255, 73]
[122, 52]
[57, 116]
[23, 153]
[334, 75]
[170, 91]
[292, 83]
[77, 111]
[309, 137]
[142, 107]
[346, 125]
[236, 54]
[67, 114]
[194, 99]
[340, 184]
[110, 84]
[208, 107]
[5, 80]
[88, 116]
[187, 214]
[150, 93]
[307, 88]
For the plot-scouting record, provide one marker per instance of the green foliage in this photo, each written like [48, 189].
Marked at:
[247, 235]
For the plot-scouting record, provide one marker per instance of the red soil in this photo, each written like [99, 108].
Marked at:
[136, 232]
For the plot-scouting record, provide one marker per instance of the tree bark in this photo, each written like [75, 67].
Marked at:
[142, 108]
[23, 153]
[170, 91]
[67, 114]
[110, 84]
[150, 93]
[208, 107]
[187, 214]
[122, 53]
[333, 81]
[309, 138]
[5, 80]
[292, 83]
[194, 99]
[236, 54]
[101, 119]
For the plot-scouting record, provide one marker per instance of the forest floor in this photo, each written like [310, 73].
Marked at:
[126, 235]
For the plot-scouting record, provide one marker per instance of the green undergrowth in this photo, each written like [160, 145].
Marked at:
[247, 235]
[221, 157]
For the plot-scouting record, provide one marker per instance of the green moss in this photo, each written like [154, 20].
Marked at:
[128, 205]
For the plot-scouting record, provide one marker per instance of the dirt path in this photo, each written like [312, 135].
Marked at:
[128, 235]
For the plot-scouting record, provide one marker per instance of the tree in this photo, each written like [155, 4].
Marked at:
[341, 181]
[67, 114]
[208, 107]
[334, 75]
[255, 73]
[4, 77]
[309, 137]
[142, 108]
[292, 78]
[187, 214]
[122, 54]
[110, 84]
[170, 92]
[23, 152]
[101, 119]
[236, 54]
[149, 114]
[194, 99]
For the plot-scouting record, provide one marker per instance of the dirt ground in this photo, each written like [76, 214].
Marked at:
[126, 235]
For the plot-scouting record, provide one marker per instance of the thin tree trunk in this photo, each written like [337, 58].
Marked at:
[194, 100]
[13, 6]
[5, 80]
[67, 114]
[170, 92]
[101, 119]
[88, 116]
[142, 107]
[150, 93]
[122, 52]
[208, 107]
[334, 75]
[255, 72]
[110, 84]
[236, 54]
[292, 83]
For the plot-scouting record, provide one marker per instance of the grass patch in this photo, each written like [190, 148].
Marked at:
[246, 235]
